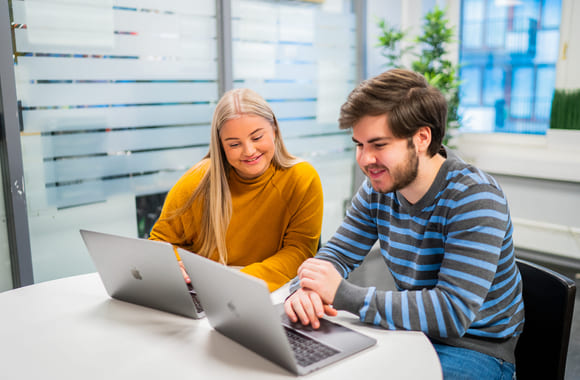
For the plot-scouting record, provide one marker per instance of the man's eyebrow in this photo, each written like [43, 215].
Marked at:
[373, 140]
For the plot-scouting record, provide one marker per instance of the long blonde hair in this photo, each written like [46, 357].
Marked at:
[214, 187]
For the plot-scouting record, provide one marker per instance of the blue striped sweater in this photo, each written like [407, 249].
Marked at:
[451, 255]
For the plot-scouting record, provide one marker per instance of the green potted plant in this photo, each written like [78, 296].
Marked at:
[564, 128]
[430, 51]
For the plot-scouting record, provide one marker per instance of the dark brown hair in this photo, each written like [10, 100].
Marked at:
[406, 98]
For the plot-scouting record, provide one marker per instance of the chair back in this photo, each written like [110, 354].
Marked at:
[549, 304]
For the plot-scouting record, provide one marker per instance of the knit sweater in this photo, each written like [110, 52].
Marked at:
[451, 256]
[275, 223]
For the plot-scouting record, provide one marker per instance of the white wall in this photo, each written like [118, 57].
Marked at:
[567, 73]
[540, 176]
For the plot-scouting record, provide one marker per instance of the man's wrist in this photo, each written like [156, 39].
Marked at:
[349, 297]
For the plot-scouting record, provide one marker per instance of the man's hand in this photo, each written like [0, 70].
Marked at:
[306, 306]
[319, 281]
[321, 277]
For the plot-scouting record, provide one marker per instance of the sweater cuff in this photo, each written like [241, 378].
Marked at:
[349, 297]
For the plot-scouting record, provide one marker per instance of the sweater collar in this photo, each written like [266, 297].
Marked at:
[264, 177]
[438, 184]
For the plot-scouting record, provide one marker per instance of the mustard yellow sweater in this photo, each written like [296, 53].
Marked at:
[275, 224]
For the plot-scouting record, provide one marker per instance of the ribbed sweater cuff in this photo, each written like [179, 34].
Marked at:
[349, 297]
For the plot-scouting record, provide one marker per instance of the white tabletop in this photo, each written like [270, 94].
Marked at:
[70, 328]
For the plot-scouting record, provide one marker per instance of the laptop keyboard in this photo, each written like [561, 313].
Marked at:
[307, 350]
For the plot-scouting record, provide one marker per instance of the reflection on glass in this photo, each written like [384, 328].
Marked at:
[512, 65]
[545, 86]
[522, 90]
[5, 265]
[493, 86]
[470, 85]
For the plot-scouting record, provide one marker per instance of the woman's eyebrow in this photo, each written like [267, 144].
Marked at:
[251, 133]
[257, 130]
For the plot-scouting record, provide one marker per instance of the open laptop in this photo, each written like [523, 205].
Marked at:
[239, 306]
[143, 272]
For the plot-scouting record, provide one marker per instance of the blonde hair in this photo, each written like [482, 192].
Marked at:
[213, 188]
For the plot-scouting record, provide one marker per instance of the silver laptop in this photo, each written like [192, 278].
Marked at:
[143, 272]
[239, 306]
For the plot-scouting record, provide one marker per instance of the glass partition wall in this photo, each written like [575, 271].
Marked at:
[116, 99]
[302, 58]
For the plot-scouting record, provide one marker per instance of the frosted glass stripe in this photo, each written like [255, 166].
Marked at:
[297, 24]
[297, 33]
[77, 169]
[292, 110]
[127, 45]
[319, 146]
[264, 31]
[184, 7]
[332, 89]
[336, 71]
[344, 56]
[113, 142]
[297, 128]
[58, 68]
[173, 25]
[71, 170]
[58, 16]
[337, 38]
[68, 24]
[255, 10]
[64, 94]
[115, 117]
[254, 69]
[292, 15]
[99, 191]
[342, 21]
[255, 51]
[297, 53]
[198, 7]
[276, 90]
[337, 183]
[260, 70]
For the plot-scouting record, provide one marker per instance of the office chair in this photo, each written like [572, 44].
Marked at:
[549, 304]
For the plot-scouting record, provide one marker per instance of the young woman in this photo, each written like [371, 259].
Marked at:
[249, 202]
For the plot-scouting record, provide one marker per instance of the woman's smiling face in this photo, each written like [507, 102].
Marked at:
[249, 145]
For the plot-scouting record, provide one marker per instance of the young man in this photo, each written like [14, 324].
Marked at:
[444, 231]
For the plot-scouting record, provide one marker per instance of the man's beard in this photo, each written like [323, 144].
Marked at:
[404, 174]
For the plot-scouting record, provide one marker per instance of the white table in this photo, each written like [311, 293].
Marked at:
[71, 329]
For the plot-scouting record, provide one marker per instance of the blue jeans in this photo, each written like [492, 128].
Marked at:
[461, 363]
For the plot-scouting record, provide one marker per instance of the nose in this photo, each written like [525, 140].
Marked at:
[248, 149]
[365, 157]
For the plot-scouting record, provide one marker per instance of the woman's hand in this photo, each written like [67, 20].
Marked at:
[184, 272]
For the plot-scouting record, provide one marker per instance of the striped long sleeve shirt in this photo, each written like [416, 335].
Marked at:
[451, 256]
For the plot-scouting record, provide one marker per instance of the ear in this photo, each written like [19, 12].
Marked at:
[422, 139]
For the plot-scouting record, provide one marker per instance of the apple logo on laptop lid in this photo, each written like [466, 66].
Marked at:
[136, 274]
